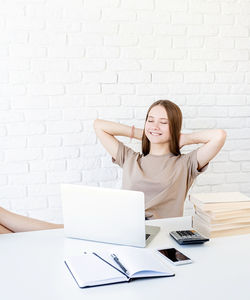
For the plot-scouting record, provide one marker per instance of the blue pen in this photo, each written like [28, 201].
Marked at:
[116, 259]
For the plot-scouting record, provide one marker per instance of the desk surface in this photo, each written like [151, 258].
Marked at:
[31, 267]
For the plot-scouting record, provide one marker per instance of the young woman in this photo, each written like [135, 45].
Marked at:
[161, 171]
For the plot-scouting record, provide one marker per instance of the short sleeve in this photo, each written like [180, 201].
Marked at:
[192, 165]
[123, 154]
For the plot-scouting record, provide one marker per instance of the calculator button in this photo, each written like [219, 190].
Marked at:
[179, 232]
[188, 237]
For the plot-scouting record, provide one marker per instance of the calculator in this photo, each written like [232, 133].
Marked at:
[185, 237]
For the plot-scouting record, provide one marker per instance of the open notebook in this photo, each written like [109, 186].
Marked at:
[120, 265]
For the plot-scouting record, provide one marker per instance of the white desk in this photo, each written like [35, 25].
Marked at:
[32, 268]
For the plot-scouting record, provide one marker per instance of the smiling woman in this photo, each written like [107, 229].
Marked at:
[161, 171]
[163, 121]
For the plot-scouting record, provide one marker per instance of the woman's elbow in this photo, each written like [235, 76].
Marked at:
[96, 124]
[222, 135]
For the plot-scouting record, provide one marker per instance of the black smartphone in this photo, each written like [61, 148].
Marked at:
[175, 256]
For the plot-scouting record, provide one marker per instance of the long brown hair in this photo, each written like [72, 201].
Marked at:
[175, 123]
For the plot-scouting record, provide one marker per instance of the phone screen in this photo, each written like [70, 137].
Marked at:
[174, 255]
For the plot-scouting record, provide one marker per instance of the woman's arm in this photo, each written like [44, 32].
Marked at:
[213, 141]
[4, 230]
[107, 130]
[11, 222]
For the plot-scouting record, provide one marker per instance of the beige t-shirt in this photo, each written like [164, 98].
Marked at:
[164, 179]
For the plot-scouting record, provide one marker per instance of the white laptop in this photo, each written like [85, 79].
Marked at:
[105, 215]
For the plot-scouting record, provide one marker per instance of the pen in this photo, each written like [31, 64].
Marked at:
[116, 259]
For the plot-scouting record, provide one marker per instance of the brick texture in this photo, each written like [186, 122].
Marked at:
[63, 64]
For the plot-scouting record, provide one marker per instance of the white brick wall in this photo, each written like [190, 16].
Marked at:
[65, 63]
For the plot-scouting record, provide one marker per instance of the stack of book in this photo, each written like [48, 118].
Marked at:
[221, 214]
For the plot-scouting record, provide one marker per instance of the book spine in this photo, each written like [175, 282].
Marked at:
[203, 230]
[226, 221]
[207, 232]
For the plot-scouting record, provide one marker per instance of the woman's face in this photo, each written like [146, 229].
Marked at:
[156, 126]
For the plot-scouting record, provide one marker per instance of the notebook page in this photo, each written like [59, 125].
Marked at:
[89, 270]
[106, 256]
[143, 262]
